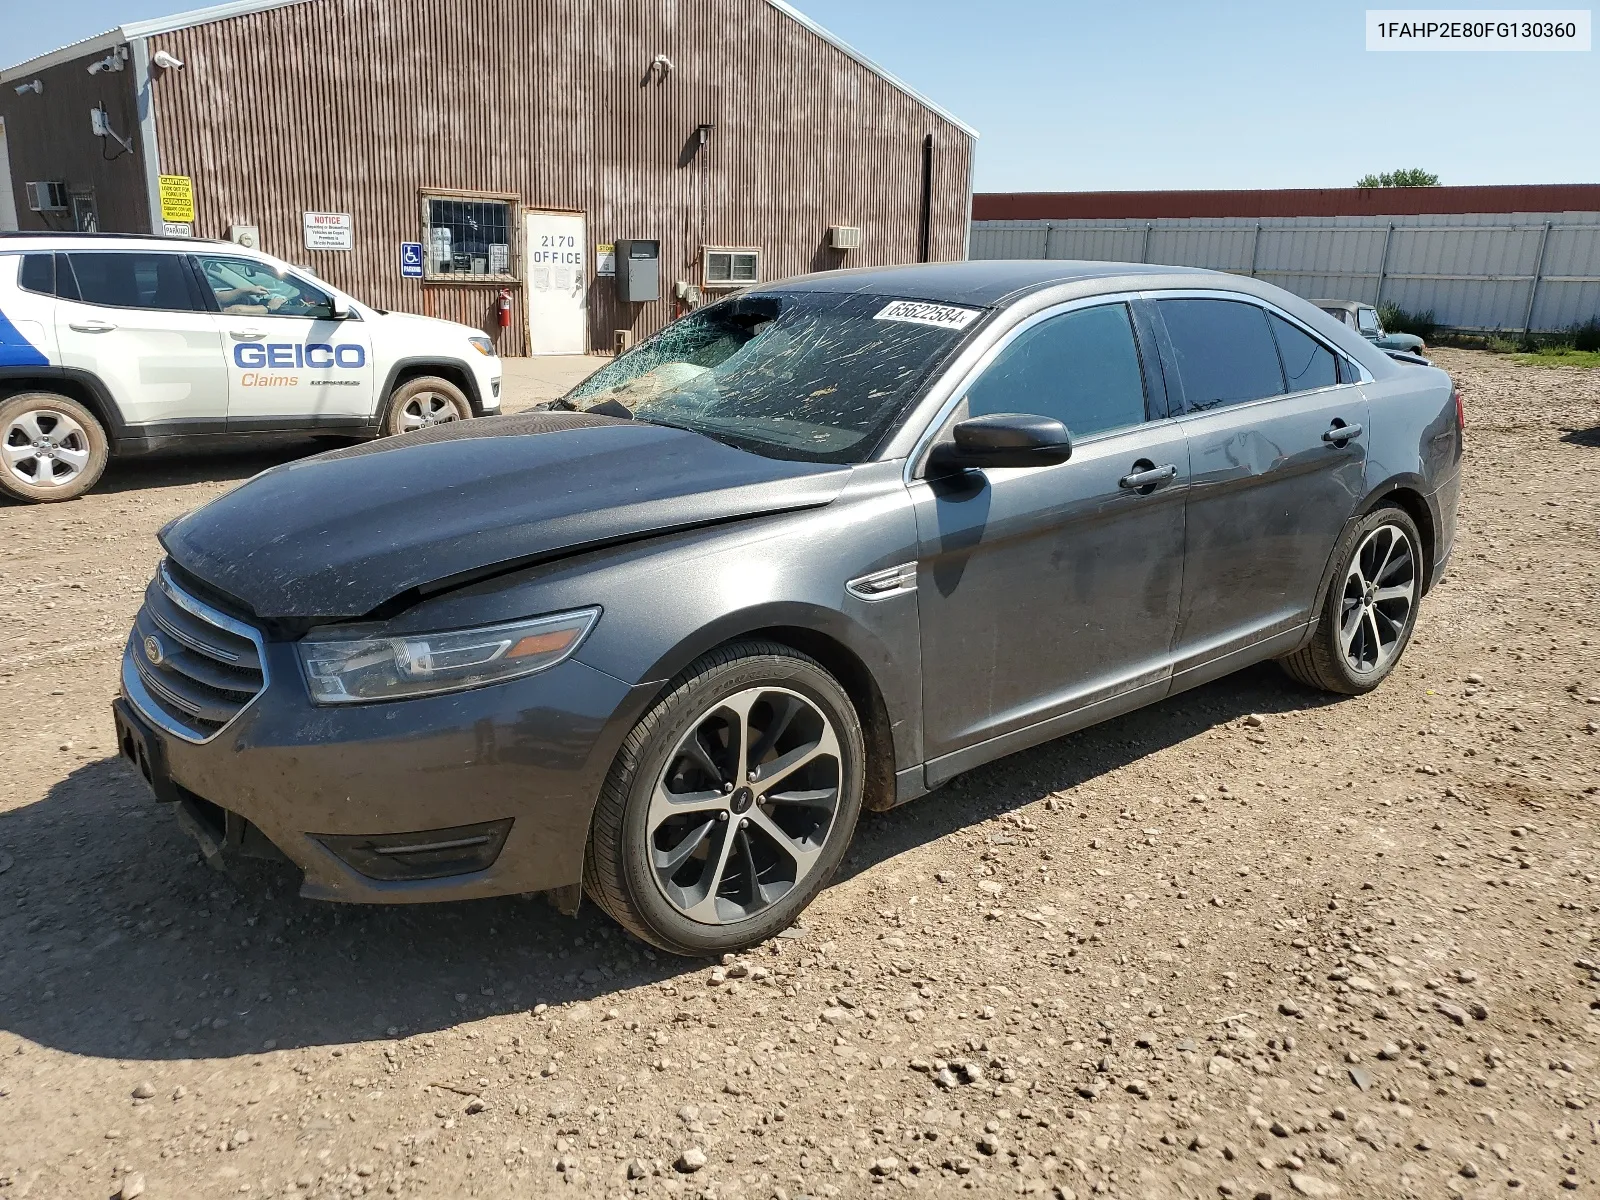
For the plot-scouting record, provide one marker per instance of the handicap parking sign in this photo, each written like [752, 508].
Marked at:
[411, 260]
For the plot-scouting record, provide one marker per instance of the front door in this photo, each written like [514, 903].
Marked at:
[290, 362]
[1273, 482]
[1049, 590]
[557, 283]
[136, 320]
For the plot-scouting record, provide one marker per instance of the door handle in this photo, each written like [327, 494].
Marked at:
[1148, 479]
[1339, 434]
[92, 326]
[246, 335]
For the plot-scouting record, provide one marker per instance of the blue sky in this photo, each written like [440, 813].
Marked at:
[1166, 93]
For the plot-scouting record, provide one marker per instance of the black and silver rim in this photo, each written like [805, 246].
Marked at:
[743, 808]
[45, 448]
[425, 409]
[1379, 591]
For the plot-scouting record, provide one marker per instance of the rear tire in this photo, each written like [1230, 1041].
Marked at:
[730, 804]
[1370, 610]
[51, 448]
[423, 402]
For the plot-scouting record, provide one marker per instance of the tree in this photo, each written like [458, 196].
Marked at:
[1414, 177]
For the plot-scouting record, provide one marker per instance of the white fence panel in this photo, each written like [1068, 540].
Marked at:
[1471, 270]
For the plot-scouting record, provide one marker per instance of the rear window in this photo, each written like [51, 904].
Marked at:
[1307, 363]
[130, 279]
[37, 274]
[1225, 352]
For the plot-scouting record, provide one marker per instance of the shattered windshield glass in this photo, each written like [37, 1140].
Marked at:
[817, 376]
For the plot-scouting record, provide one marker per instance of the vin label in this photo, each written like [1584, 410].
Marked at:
[920, 312]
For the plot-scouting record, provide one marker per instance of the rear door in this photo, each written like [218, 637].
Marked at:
[1047, 590]
[135, 319]
[1277, 451]
[291, 364]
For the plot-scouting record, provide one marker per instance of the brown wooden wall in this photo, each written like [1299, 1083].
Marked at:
[359, 105]
[48, 137]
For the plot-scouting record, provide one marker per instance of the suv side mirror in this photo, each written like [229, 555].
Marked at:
[1002, 440]
[338, 310]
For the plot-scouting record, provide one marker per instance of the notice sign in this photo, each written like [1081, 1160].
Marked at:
[177, 198]
[329, 231]
[605, 258]
[410, 260]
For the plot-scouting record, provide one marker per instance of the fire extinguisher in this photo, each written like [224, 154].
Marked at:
[504, 305]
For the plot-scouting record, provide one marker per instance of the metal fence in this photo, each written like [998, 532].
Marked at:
[1478, 271]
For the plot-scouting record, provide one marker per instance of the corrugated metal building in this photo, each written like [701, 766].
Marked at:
[1485, 258]
[512, 139]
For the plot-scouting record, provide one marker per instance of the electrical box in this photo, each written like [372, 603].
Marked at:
[844, 237]
[47, 197]
[638, 270]
[248, 236]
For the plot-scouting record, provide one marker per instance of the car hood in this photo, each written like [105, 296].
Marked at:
[335, 536]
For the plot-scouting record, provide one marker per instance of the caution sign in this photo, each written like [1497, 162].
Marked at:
[177, 198]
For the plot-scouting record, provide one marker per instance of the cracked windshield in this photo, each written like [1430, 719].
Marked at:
[802, 375]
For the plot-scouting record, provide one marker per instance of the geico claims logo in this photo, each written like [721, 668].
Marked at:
[289, 356]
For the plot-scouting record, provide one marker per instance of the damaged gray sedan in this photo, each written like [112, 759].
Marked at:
[816, 548]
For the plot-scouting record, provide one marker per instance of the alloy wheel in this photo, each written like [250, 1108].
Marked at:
[425, 409]
[45, 448]
[1379, 592]
[743, 807]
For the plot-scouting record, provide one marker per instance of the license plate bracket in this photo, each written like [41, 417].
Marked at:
[141, 747]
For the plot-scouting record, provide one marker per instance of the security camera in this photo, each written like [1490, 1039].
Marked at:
[166, 61]
[111, 62]
[35, 87]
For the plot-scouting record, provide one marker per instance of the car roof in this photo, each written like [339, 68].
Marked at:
[989, 282]
[53, 239]
[1347, 305]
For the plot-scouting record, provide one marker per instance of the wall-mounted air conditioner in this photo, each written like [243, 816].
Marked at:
[47, 196]
[844, 237]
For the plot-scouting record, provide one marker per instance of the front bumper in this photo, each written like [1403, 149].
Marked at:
[533, 752]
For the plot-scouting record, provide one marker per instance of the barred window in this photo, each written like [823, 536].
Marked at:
[468, 235]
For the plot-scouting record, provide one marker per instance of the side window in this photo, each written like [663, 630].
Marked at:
[38, 274]
[1224, 350]
[128, 279]
[1082, 368]
[244, 287]
[1307, 363]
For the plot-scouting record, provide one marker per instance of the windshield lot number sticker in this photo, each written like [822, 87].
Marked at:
[917, 312]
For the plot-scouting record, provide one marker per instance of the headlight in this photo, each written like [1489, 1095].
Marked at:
[482, 345]
[345, 670]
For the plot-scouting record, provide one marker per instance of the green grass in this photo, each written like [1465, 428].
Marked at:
[1557, 356]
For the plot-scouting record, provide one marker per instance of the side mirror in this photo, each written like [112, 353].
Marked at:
[1002, 440]
[338, 309]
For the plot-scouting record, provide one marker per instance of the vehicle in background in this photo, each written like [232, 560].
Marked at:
[115, 344]
[1363, 318]
[819, 547]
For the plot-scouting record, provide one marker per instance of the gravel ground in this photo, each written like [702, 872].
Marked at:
[1250, 942]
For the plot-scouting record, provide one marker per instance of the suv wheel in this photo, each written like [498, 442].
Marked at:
[730, 804]
[1370, 610]
[424, 401]
[51, 448]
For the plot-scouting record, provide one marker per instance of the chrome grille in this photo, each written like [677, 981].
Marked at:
[190, 668]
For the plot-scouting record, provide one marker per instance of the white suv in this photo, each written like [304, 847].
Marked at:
[125, 344]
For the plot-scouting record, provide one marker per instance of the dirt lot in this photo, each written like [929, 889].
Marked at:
[1249, 942]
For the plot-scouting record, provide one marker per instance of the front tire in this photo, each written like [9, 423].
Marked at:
[51, 448]
[730, 804]
[423, 402]
[1370, 610]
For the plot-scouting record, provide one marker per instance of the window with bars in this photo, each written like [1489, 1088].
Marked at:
[468, 236]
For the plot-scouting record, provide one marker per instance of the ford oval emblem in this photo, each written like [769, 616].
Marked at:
[154, 650]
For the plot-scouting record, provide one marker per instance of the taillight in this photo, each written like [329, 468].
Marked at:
[1461, 412]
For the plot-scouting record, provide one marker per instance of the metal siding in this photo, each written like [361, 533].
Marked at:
[1284, 202]
[1473, 270]
[549, 100]
[48, 138]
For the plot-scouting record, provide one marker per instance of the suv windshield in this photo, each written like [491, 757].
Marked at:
[817, 376]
